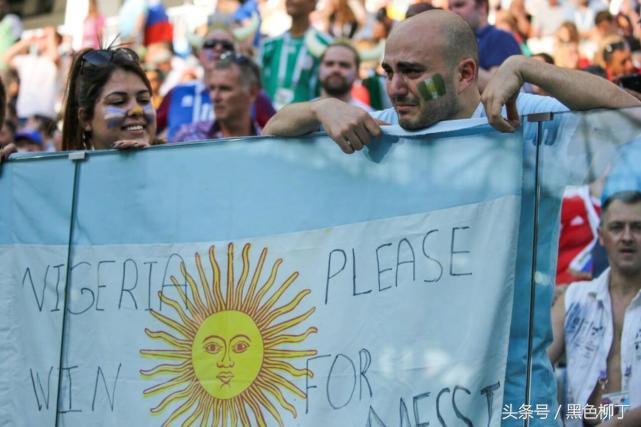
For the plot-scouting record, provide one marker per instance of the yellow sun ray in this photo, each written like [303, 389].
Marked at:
[243, 277]
[168, 338]
[255, 278]
[291, 339]
[167, 354]
[209, 386]
[218, 294]
[186, 332]
[268, 405]
[207, 289]
[274, 378]
[200, 309]
[266, 307]
[277, 365]
[162, 387]
[267, 286]
[180, 410]
[280, 327]
[268, 317]
[166, 368]
[278, 395]
[176, 306]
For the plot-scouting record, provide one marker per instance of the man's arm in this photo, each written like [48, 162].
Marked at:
[577, 90]
[350, 126]
[556, 349]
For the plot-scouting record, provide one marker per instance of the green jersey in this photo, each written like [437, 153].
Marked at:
[289, 69]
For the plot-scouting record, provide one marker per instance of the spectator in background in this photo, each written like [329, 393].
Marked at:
[10, 29]
[338, 71]
[245, 11]
[155, 77]
[29, 141]
[495, 45]
[597, 324]
[505, 21]
[566, 47]
[36, 60]
[158, 29]
[344, 18]
[549, 16]
[523, 19]
[584, 18]
[416, 8]
[131, 21]
[9, 147]
[93, 27]
[289, 62]
[233, 84]
[190, 103]
[614, 57]
[626, 30]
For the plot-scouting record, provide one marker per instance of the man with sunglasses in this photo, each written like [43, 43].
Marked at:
[190, 103]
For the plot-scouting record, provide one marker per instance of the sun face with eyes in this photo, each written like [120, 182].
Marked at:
[229, 352]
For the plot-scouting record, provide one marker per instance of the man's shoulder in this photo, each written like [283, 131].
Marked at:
[388, 115]
[589, 290]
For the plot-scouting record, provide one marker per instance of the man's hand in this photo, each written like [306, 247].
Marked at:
[502, 89]
[351, 127]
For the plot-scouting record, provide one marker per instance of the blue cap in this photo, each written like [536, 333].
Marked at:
[626, 171]
[29, 134]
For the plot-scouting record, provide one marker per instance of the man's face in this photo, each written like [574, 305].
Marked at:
[620, 235]
[216, 43]
[229, 95]
[620, 63]
[337, 71]
[409, 66]
[297, 8]
[468, 10]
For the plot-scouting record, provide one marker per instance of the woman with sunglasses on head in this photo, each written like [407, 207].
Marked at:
[108, 102]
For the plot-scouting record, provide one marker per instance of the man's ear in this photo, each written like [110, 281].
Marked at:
[466, 74]
[84, 120]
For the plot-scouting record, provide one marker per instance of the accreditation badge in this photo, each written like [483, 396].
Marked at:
[283, 97]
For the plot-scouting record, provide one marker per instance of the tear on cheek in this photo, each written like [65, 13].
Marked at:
[114, 117]
[432, 88]
[149, 113]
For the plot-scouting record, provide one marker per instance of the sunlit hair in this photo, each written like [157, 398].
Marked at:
[84, 86]
[249, 71]
[627, 197]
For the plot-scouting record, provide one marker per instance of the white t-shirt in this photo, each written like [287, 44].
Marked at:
[38, 86]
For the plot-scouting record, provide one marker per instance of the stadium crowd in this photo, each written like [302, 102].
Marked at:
[239, 77]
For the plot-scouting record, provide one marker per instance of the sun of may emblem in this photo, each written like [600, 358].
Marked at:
[229, 352]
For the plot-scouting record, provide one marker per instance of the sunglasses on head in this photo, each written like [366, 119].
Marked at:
[212, 43]
[101, 57]
[236, 58]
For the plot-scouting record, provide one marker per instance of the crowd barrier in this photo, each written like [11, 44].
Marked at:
[280, 281]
